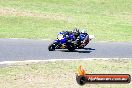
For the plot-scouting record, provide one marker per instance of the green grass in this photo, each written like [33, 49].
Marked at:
[61, 74]
[108, 20]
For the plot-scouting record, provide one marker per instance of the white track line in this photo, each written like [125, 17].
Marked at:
[52, 60]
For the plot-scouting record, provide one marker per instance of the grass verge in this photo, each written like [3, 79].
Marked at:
[61, 74]
[108, 20]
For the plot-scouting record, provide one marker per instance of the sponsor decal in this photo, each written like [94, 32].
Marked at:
[82, 77]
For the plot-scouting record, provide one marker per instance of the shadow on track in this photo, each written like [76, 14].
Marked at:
[85, 50]
[89, 49]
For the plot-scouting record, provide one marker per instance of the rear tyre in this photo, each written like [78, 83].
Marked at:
[51, 47]
[71, 47]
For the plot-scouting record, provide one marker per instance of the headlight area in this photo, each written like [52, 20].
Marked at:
[60, 36]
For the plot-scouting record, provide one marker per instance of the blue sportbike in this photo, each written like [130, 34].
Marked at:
[69, 40]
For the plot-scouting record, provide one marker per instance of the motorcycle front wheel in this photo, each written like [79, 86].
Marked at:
[51, 47]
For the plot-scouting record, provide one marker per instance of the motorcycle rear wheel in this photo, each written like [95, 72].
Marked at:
[70, 47]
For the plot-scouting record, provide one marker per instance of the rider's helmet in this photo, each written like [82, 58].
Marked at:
[76, 32]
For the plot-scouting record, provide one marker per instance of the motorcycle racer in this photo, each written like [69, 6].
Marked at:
[76, 33]
[71, 40]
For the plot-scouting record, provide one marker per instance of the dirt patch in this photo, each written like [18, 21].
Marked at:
[14, 12]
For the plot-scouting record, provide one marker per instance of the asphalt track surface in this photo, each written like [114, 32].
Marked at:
[27, 49]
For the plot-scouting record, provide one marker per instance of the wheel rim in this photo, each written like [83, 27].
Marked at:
[51, 48]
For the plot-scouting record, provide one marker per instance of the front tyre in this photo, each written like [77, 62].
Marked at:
[51, 47]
